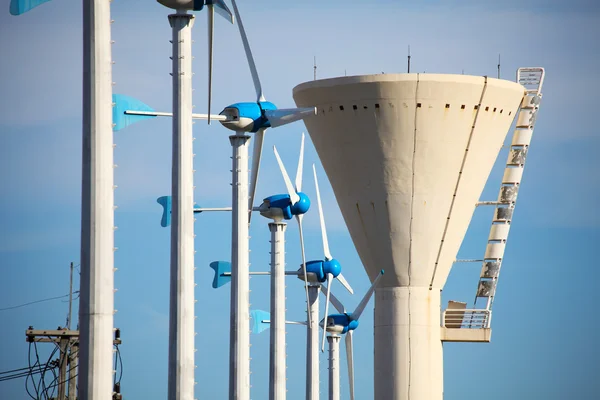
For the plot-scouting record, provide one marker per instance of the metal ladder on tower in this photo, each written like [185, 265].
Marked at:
[532, 79]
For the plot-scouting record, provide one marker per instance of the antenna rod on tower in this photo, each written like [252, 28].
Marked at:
[498, 66]
[409, 58]
[70, 298]
[315, 68]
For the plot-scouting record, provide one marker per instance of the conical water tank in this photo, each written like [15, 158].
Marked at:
[408, 156]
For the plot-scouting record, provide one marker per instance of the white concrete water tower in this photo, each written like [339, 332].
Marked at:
[408, 156]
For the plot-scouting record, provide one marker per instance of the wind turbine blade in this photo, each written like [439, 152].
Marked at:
[222, 9]
[363, 303]
[211, 29]
[251, 64]
[329, 276]
[300, 166]
[334, 300]
[256, 154]
[284, 116]
[18, 7]
[345, 283]
[288, 183]
[299, 219]
[323, 231]
[350, 360]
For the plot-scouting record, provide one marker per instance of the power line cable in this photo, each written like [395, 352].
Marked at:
[37, 301]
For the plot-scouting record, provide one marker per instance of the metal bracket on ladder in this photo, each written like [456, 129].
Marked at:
[532, 79]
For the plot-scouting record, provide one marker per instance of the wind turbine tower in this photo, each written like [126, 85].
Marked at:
[408, 156]
[96, 304]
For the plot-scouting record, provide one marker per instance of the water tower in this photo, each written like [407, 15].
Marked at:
[408, 156]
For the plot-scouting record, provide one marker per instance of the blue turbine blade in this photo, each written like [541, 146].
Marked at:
[257, 317]
[165, 201]
[123, 103]
[220, 268]
[18, 7]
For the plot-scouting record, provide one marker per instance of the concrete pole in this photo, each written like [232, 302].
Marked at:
[312, 345]
[277, 380]
[96, 304]
[239, 348]
[181, 311]
[334, 367]
[408, 348]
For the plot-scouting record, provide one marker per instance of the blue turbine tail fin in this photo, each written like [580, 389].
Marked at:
[165, 201]
[123, 103]
[18, 7]
[221, 267]
[258, 316]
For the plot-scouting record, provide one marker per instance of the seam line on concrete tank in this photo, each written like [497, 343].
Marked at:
[412, 202]
[412, 189]
[458, 180]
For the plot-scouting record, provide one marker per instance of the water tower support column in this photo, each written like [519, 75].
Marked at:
[408, 344]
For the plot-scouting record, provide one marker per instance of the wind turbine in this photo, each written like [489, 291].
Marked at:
[244, 118]
[181, 310]
[279, 208]
[336, 325]
[326, 270]
[293, 204]
[96, 304]
[318, 272]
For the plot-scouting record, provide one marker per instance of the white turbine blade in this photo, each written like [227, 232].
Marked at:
[211, 29]
[222, 9]
[323, 231]
[299, 219]
[288, 183]
[334, 300]
[251, 64]
[329, 276]
[300, 166]
[256, 155]
[285, 116]
[350, 360]
[363, 303]
[345, 283]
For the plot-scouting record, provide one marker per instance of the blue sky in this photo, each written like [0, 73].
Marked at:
[544, 324]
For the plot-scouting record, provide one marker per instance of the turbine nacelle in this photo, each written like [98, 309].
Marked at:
[192, 5]
[339, 323]
[197, 5]
[317, 270]
[247, 117]
[252, 117]
[280, 206]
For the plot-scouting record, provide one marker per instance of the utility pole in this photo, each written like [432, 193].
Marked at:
[68, 341]
[409, 58]
[315, 68]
